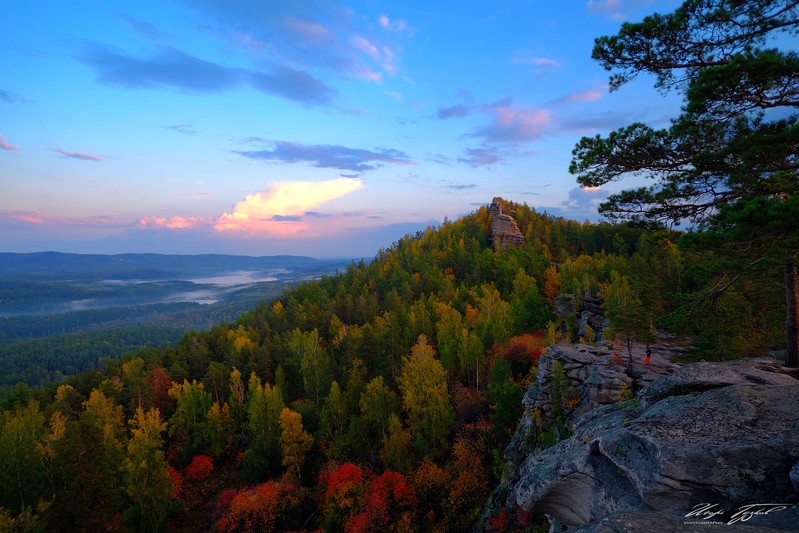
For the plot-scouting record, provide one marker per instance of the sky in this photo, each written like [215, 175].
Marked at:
[323, 128]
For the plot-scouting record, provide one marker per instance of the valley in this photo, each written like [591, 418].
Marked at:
[62, 313]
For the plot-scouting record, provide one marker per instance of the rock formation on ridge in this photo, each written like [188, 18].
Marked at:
[504, 230]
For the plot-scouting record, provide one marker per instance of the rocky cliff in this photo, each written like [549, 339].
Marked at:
[504, 230]
[657, 448]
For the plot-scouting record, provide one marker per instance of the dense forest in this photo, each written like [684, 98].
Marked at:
[376, 399]
[40, 349]
[381, 398]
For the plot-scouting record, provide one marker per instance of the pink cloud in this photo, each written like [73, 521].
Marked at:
[308, 30]
[31, 217]
[365, 46]
[514, 124]
[23, 216]
[78, 155]
[4, 144]
[384, 56]
[387, 23]
[286, 208]
[171, 222]
[590, 95]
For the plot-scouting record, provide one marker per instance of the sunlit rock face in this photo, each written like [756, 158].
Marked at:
[718, 435]
[504, 230]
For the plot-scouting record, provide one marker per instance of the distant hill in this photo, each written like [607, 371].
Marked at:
[62, 313]
[56, 266]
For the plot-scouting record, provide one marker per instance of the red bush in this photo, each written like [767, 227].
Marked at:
[200, 467]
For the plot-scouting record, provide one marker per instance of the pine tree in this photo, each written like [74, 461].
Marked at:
[731, 156]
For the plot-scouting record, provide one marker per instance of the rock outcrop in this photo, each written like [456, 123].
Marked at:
[504, 230]
[719, 435]
[593, 376]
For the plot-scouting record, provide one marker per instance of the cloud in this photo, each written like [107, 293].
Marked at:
[459, 186]
[292, 84]
[478, 157]
[78, 155]
[195, 195]
[185, 129]
[395, 25]
[143, 28]
[585, 198]
[168, 67]
[23, 216]
[514, 124]
[172, 68]
[328, 156]
[323, 35]
[284, 209]
[458, 110]
[604, 6]
[4, 144]
[591, 95]
[39, 219]
[171, 222]
[539, 62]
[617, 9]
[10, 97]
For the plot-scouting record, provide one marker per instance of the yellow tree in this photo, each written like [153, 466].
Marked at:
[295, 442]
[145, 472]
[551, 284]
[425, 398]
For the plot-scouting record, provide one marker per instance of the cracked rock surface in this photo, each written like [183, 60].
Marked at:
[704, 433]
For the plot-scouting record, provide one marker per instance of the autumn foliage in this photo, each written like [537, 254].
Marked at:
[177, 482]
[200, 467]
[356, 501]
[262, 508]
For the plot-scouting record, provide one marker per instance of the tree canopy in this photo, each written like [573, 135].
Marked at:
[732, 152]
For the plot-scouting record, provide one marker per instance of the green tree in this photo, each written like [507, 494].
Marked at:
[731, 155]
[334, 418]
[86, 469]
[22, 472]
[397, 447]
[264, 405]
[188, 423]
[423, 383]
[145, 474]
[625, 312]
[314, 363]
[506, 402]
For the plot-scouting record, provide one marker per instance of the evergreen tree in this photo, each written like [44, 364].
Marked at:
[423, 383]
[731, 156]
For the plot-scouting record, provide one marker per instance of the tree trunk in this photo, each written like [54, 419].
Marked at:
[792, 307]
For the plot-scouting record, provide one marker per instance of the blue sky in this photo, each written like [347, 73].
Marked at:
[316, 127]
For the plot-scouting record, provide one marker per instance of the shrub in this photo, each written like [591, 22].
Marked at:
[200, 467]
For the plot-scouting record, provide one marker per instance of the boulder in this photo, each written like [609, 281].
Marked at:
[718, 434]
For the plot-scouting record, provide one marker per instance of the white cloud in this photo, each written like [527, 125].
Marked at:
[285, 208]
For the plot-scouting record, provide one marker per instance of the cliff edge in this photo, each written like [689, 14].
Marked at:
[690, 451]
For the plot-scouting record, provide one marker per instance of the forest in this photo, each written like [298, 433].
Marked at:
[62, 314]
[378, 398]
[381, 398]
